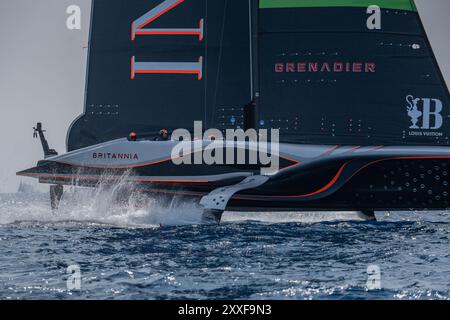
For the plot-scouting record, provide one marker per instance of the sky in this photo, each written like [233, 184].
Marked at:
[42, 77]
[43, 67]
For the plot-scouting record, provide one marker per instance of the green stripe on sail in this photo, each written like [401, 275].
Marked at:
[386, 4]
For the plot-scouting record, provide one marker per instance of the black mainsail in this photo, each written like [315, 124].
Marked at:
[316, 69]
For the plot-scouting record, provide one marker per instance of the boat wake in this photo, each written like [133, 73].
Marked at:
[103, 206]
[97, 207]
[117, 206]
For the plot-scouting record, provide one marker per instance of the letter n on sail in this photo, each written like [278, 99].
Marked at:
[195, 68]
[139, 26]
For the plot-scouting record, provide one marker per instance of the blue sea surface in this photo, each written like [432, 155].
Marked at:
[161, 251]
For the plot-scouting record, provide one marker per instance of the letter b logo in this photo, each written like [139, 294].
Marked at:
[432, 109]
[425, 113]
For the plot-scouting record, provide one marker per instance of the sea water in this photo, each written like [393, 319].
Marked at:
[97, 248]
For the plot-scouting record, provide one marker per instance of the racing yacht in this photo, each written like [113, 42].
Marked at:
[352, 87]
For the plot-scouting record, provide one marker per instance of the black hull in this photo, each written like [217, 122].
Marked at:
[392, 185]
[350, 182]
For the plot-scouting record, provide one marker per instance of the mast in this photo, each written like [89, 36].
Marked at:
[251, 109]
[254, 23]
